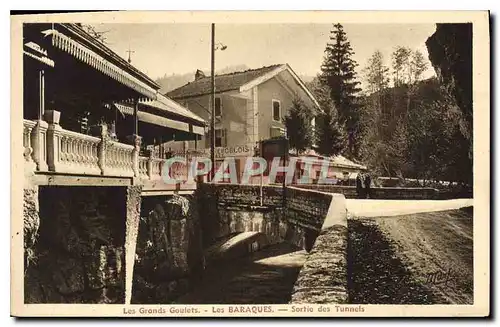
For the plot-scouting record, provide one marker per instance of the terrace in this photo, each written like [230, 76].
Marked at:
[91, 118]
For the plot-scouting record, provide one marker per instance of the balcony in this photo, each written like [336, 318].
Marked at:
[50, 150]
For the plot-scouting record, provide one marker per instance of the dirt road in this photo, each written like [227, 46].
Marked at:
[424, 258]
[379, 208]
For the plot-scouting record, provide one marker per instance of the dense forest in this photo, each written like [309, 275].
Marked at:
[399, 125]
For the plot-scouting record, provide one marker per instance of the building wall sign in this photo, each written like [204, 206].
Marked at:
[234, 151]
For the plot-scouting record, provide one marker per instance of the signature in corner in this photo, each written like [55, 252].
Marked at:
[435, 278]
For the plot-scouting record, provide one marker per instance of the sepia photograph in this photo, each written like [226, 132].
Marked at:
[318, 165]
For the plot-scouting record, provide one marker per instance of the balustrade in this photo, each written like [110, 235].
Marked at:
[156, 168]
[63, 151]
[77, 153]
[143, 167]
[119, 159]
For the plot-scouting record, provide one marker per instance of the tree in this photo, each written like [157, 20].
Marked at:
[376, 73]
[298, 125]
[338, 73]
[401, 65]
[418, 66]
[377, 79]
[330, 134]
[91, 29]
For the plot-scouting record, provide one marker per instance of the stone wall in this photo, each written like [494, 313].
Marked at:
[389, 193]
[77, 255]
[230, 209]
[323, 278]
[169, 249]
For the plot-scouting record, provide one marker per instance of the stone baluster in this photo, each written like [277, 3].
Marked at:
[29, 165]
[53, 138]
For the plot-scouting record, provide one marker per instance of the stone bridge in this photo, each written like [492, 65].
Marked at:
[114, 245]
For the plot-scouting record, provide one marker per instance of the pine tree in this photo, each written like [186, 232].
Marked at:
[337, 71]
[298, 126]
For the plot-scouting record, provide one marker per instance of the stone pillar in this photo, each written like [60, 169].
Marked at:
[38, 144]
[150, 164]
[101, 150]
[136, 141]
[53, 138]
[133, 203]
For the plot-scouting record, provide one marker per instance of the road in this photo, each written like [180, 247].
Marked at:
[383, 208]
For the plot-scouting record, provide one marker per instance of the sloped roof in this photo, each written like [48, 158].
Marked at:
[167, 104]
[338, 160]
[223, 83]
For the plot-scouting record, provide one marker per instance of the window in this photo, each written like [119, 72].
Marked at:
[218, 107]
[276, 110]
[220, 137]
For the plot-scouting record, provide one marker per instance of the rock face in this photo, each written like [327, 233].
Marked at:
[31, 223]
[78, 257]
[450, 52]
[169, 251]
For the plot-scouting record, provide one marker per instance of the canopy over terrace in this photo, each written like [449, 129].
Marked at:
[68, 70]
[182, 124]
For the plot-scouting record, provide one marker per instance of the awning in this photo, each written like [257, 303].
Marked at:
[164, 103]
[160, 121]
[36, 52]
[82, 53]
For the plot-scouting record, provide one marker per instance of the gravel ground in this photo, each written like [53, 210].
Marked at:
[423, 258]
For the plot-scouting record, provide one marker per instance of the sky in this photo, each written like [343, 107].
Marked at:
[161, 49]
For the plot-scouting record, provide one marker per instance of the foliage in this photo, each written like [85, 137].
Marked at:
[376, 73]
[330, 134]
[94, 32]
[338, 73]
[298, 125]
[423, 141]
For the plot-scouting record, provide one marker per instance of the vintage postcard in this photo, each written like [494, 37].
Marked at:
[250, 164]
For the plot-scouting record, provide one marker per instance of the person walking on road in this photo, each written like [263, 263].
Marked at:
[368, 181]
[359, 186]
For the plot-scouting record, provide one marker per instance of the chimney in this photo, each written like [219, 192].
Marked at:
[199, 74]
